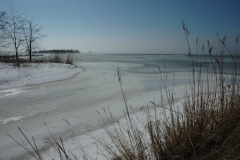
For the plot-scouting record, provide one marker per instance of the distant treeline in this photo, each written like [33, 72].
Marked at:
[58, 51]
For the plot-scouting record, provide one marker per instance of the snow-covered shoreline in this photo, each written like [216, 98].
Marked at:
[75, 100]
[34, 73]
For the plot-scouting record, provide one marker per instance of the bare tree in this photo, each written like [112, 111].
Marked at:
[12, 31]
[32, 34]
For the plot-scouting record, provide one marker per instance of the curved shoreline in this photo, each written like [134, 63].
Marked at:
[9, 77]
[59, 80]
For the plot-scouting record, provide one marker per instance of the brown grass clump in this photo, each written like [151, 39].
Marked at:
[207, 128]
[69, 58]
[55, 58]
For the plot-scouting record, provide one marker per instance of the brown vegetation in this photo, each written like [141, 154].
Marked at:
[53, 58]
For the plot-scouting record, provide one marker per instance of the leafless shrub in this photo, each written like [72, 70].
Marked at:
[69, 58]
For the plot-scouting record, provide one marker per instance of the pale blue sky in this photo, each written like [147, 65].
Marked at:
[129, 26]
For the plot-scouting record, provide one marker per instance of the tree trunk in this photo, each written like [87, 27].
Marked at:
[17, 60]
[30, 51]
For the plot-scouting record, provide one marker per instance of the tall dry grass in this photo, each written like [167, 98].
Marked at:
[206, 127]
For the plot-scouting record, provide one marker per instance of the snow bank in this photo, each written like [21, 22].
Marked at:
[30, 74]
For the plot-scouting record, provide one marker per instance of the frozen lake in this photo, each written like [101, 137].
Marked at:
[77, 99]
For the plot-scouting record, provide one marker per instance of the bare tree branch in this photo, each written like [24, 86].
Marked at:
[11, 31]
[32, 34]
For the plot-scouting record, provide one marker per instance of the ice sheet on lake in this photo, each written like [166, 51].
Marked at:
[75, 100]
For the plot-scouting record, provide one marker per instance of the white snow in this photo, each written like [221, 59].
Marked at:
[8, 92]
[11, 119]
[30, 74]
